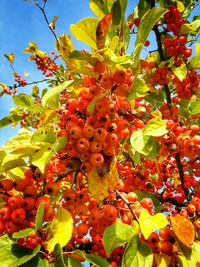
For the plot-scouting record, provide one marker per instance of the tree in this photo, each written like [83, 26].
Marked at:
[105, 167]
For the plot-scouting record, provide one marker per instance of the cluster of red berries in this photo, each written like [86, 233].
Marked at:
[46, 64]
[21, 82]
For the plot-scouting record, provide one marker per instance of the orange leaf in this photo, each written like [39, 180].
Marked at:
[101, 31]
[183, 230]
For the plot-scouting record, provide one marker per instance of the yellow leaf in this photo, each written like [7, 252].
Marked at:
[149, 224]
[198, 49]
[162, 260]
[25, 74]
[180, 6]
[65, 48]
[99, 186]
[10, 57]
[61, 229]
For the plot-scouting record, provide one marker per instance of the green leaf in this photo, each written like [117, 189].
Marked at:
[145, 27]
[37, 262]
[117, 12]
[138, 89]
[23, 100]
[42, 157]
[10, 57]
[141, 143]
[149, 223]
[44, 134]
[39, 217]
[190, 27]
[96, 260]
[99, 8]
[195, 62]
[72, 262]
[10, 119]
[155, 127]
[194, 107]
[117, 235]
[13, 255]
[156, 202]
[138, 254]
[85, 31]
[23, 233]
[11, 161]
[61, 229]
[180, 72]
[92, 104]
[55, 91]
[59, 260]
[162, 260]
[76, 54]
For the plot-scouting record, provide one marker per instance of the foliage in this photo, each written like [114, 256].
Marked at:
[105, 167]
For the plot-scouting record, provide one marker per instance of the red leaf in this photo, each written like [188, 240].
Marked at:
[101, 31]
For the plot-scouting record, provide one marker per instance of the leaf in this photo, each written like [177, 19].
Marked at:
[149, 224]
[37, 262]
[42, 157]
[91, 106]
[11, 161]
[10, 119]
[13, 255]
[98, 7]
[23, 233]
[180, 6]
[197, 48]
[72, 262]
[138, 89]
[141, 143]
[44, 134]
[65, 48]
[55, 91]
[155, 127]
[101, 30]
[190, 27]
[10, 57]
[59, 260]
[145, 27]
[117, 235]
[61, 229]
[96, 260]
[117, 12]
[137, 253]
[194, 107]
[195, 62]
[85, 31]
[39, 216]
[183, 230]
[193, 259]
[180, 72]
[162, 260]
[23, 100]
[100, 186]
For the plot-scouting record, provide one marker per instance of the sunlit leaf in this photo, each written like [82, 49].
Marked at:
[101, 30]
[156, 202]
[11, 161]
[141, 143]
[180, 6]
[55, 91]
[195, 62]
[23, 100]
[94, 259]
[10, 119]
[42, 157]
[183, 230]
[137, 253]
[61, 228]
[155, 127]
[85, 31]
[145, 27]
[98, 7]
[10, 57]
[59, 260]
[197, 47]
[190, 27]
[44, 134]
[180, 72]
[13, 255]
[194, 107]
[138, 89]
[149, 223]
[23, 233]
[100, 186]
[39, 216]
[65, 48]
[162, 260]
[117, 235]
